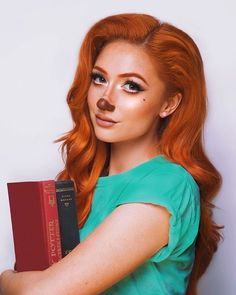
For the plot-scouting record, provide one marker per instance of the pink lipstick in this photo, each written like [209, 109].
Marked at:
[104, 121]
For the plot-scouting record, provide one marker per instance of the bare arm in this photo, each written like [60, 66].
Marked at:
[128, 236]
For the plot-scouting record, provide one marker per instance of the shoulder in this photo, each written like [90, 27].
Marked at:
[165, 184]
[163, 178]
[170, 173]
[170, 186]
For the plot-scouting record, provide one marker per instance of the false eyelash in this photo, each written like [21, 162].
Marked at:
[138, 86]
[95, 75]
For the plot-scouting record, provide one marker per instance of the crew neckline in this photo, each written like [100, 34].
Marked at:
[104, 180]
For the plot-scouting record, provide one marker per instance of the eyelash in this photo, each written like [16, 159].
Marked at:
[138, 87]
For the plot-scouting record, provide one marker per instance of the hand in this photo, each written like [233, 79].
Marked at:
[6, 278]
[17, 283]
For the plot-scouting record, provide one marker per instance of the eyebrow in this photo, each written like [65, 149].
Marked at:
[132, 74]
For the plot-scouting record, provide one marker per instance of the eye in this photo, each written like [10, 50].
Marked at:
[97, 78]
[133, 87]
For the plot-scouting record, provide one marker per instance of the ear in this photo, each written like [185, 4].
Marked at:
[170, 105]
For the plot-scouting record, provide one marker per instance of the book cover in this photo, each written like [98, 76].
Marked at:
[67, 213]
[35, 224]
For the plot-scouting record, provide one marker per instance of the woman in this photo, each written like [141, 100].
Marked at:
[144, 184]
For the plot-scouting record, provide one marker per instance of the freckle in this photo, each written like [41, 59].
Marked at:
[144, 99]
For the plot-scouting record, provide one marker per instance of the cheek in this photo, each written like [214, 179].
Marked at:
[140, 108]
[94, 94]
[91, 98]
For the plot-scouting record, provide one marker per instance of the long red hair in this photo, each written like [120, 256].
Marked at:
[180, 66]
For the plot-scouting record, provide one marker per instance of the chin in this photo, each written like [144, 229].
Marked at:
[110, 139]
[106, 139]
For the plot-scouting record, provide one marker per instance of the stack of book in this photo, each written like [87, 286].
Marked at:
[44, 222]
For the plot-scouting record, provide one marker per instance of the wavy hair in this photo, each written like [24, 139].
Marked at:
[180, 67]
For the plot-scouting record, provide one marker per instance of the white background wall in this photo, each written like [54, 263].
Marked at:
[39, 42]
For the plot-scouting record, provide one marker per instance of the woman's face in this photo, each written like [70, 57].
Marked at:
[126, 78]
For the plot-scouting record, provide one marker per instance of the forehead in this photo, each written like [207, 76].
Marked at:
[121, 56]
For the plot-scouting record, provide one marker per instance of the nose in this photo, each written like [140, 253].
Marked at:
[104, 104]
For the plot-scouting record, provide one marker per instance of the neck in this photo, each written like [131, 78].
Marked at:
[126, 155]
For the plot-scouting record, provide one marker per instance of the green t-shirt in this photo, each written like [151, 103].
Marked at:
[157, 181]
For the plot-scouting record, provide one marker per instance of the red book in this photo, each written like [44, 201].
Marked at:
[35, 224]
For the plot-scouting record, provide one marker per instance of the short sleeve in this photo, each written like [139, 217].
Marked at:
[179, 194]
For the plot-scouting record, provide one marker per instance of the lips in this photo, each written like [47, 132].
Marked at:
[104, 118]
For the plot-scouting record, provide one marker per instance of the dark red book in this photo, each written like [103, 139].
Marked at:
[35, 224]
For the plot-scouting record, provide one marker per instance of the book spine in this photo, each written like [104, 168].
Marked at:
[67, 216]
[52, 228]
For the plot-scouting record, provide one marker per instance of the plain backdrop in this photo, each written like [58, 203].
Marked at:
[39, 43]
